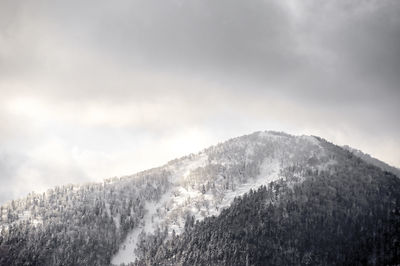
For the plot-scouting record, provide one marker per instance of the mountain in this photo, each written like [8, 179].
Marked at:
[300, 198]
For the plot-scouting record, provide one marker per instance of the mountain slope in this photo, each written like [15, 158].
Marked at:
[123, 219]
[349, 218]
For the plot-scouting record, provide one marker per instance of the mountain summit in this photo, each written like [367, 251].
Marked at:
[264, 198]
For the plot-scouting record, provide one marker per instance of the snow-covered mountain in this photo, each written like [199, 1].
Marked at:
[202, 184]
[116, 221]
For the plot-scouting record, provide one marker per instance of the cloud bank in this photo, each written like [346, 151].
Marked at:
[96, 89]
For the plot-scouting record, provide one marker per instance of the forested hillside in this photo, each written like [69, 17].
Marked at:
[350, 217]
[324, 204]
[76, 225]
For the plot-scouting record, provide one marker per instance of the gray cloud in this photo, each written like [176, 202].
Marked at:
[101, 81]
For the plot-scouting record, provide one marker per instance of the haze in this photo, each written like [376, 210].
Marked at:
[95, 89]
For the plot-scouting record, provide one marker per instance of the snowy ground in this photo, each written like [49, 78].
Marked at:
[149, 224]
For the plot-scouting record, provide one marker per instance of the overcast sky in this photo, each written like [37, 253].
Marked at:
[95, 89]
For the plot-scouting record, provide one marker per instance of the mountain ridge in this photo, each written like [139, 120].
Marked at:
[372, 160]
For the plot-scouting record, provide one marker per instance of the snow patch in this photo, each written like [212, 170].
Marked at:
[269, 172]
[117, 220]
[182, 170]
[148, 225]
